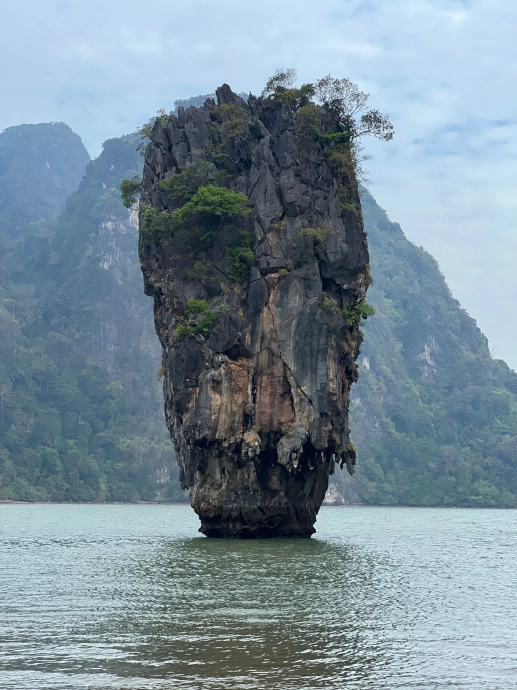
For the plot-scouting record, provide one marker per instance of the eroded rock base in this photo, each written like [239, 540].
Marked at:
[255, 532]
[261, 499]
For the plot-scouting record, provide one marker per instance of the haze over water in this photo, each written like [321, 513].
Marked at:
[130, 596]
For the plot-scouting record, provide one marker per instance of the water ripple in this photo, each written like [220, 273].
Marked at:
[130, 597]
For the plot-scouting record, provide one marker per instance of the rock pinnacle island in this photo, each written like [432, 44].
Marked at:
[252, 246]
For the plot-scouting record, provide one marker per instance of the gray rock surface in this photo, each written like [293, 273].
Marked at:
[258, 410]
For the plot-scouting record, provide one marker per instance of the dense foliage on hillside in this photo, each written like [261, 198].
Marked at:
[80, 406]
[40, 166]
[433, 416]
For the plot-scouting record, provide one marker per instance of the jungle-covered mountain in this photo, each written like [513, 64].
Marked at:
[433, 416]
[80, 405]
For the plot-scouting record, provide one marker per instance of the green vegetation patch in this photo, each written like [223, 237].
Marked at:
[181, 187]
[360, 310]
[200, 271]
[202, 211]
[240, 259]
[309, 244]
[234, 121]
[308, 122]
[329, 304]
[346, 203]
[129, 190]
[198, 319]
[281, 89]
[277, 224]
[343, 117]
[209, 203]
[199, 219]
[158, 223]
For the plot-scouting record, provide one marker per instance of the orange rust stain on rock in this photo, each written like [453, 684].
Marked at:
[228, 400]
[274, 405]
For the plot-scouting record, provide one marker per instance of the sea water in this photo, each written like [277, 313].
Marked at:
[131, 596]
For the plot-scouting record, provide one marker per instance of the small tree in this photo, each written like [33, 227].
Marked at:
[360, 310]
[280, 88]
[347, 104]
[129, 190]
[181, 187]
[341, 98]
[145, 130]
[282, 78]
[198, 318]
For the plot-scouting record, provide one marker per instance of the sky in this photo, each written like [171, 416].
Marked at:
[444, 71]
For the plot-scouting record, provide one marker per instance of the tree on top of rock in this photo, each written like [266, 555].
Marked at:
[341, 98]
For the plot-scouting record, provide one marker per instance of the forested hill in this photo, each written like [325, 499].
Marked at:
[434, 417]
[40, 166]
[80, 406]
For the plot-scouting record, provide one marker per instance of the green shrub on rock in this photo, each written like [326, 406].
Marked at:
[199, 271]
[360, 310]
[181, 187]
[155, 222]
[343, 195]
[329, 304]
[129, 190]
[308, 122]
[241, 260]
[234, 121]
[198, 220]
[197, 319]
[308, 244]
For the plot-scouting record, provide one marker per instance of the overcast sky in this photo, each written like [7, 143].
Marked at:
[444, 70]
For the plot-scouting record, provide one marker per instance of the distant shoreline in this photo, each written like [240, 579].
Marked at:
[4, 501]
[7, 501]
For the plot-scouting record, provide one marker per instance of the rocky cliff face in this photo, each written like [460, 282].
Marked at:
[257, 309]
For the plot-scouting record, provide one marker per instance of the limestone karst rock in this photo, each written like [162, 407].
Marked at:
[257, 308]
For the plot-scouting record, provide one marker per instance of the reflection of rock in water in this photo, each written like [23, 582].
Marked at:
[258, 355]
[280, 614]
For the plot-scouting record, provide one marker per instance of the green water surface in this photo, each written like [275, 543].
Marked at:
[130, 596]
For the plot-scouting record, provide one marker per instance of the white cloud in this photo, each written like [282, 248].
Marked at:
[443, 69]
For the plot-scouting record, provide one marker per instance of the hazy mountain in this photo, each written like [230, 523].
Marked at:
[80, 406]
[40, 166]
